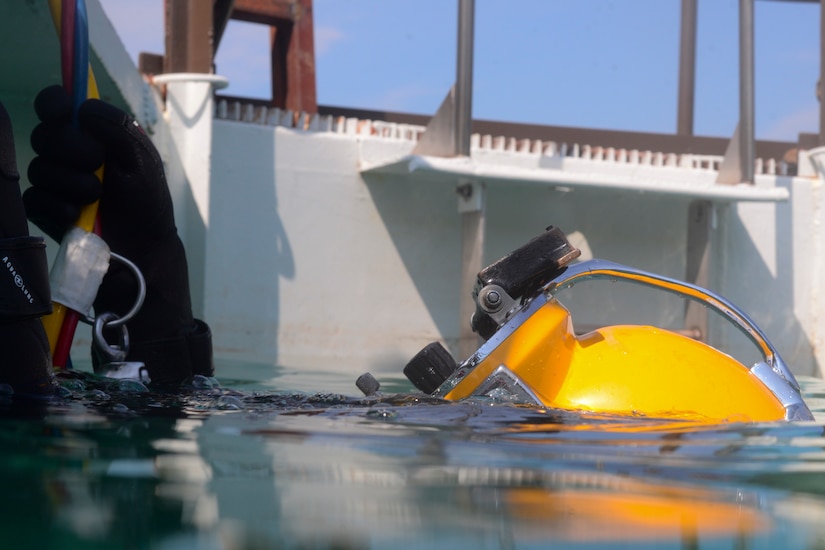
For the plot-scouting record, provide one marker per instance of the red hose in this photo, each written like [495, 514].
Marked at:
[67, 16]
[68, 37]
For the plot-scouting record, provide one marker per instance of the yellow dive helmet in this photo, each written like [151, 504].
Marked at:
[532, 355]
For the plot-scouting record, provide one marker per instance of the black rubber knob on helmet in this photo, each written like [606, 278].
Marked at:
[430, 367]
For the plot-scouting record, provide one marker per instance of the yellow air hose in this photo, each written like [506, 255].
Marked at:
[60, 324]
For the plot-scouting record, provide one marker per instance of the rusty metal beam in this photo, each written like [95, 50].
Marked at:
[221, 11]
[188, 36]
[300, 62]
[267, 12]
[292, 46]
[279, 39]
[150, 63]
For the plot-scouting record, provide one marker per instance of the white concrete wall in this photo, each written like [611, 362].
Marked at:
[311, 263]
[769, 262]
[299, 259]
[307, 264]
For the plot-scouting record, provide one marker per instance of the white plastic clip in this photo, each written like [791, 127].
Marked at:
[78, 270]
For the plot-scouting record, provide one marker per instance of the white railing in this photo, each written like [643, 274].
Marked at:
[274, 116]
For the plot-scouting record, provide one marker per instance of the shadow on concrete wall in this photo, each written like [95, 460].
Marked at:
[424, 224]
[247, 270]
[768, 298]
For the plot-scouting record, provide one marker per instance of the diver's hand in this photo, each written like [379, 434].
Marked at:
[136, 220]
[135, 211]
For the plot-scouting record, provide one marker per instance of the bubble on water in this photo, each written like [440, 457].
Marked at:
[131, 386]
[200, 382]
[97, 395]
[230, 403]
[382, 413]
[72, 384]
[121, 408]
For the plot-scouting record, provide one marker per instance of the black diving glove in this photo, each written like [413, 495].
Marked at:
[136, 220]
[25, 363]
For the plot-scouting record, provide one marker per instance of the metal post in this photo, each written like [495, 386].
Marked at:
[687, 68]
[699, 230]
[188, 37]
[464, 77]
[471, 207]
[821, 71]
[471, 194]
[747, 149]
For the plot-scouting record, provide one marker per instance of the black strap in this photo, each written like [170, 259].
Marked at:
[24, 279]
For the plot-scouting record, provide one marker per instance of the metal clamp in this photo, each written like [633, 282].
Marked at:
[112, 353]
[112, 357]
[115, 320]
[496, 302]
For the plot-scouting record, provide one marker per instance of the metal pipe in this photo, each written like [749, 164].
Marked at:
[821, 71]
[687, 68]
[464, 77]
[747, 148]
[472, 206]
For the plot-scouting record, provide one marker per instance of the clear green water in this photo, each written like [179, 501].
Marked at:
[258, 467]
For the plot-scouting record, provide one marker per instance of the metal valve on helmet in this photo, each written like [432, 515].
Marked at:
[499, 290]
[502, 285]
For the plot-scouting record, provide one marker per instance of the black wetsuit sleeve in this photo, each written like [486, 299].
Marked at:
[25, 361]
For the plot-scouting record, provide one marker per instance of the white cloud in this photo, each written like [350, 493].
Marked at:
[325, 37]
[410, 98]
[788, 127]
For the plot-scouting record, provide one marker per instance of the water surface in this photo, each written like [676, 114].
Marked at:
[272, 463]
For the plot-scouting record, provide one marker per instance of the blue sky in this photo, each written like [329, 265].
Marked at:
[589, 63]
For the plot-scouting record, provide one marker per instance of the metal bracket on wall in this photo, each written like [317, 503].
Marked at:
[471, 206]
[700, 220]
[438, 139]
[730, 170]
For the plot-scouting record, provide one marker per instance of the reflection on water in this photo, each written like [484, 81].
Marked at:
[111, 465]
